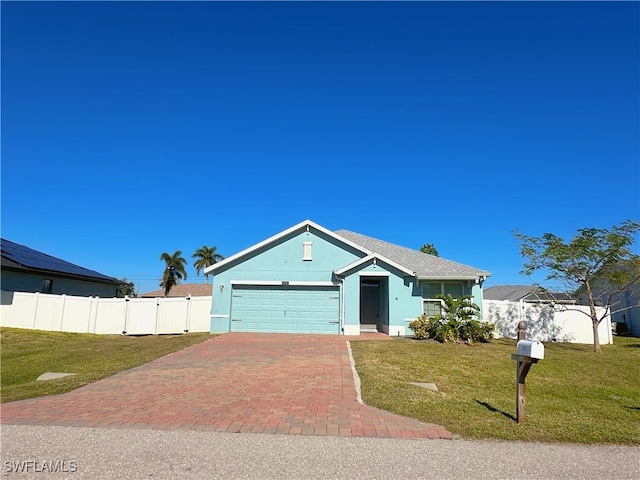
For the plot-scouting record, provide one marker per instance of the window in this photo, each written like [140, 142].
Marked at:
[430, 290]
[454, 289]
[307, 250]
[431, 308]
[47, 286]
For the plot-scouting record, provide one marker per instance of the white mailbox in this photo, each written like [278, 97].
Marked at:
[528, 348]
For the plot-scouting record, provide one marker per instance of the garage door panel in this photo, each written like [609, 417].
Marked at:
[285, 309]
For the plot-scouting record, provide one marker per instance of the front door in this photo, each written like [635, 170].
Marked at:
[370, 304]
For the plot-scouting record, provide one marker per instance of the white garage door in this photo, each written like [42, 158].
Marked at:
[285, 309]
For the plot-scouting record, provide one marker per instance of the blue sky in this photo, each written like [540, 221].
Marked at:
[134, 128]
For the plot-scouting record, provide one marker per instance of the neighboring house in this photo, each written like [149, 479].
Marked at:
[308, 279]
[525, 293]
[624, 306]
[27, 270]
[182, 290]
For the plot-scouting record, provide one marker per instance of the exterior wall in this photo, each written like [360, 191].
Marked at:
[476, 293]
[625, 308]
[135, 316]
[29, 282]
[279, 262]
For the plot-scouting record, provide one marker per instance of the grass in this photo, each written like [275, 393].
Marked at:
[26, 354]
[573, 395]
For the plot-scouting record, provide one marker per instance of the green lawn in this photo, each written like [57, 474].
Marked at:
[26, 354]
[573, 395]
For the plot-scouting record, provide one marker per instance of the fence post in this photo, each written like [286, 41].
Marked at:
[35, 311]
[126, 314]
[188, 319]
[64, 302]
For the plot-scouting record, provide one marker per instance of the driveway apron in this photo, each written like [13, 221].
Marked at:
[237, 382]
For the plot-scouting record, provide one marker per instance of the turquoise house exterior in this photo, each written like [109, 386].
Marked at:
[308, 279]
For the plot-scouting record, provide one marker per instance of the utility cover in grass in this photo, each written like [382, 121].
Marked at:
[53, 375]
[428, 386]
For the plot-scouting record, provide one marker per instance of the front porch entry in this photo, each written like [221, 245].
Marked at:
[372, 304]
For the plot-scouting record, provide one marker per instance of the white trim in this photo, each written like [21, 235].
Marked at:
[352, 329]
[279, 283]
[367, 273]
[396, 331]
[446, 278]
[372, 257]
[305, 224]
[218, 316]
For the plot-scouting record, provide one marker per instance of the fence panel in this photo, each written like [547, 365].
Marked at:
[19, 309]
[142, 316]
[77, 311]
[49, 312]
[172, 315]
[200, 314]
[110, 316]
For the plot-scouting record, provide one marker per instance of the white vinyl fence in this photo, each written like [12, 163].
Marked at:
[545, 322]
[130, 316]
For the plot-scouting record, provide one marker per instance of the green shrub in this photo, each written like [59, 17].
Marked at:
[458, 322]
[423, 327]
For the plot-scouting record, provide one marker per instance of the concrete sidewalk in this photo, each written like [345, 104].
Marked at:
[238, 382]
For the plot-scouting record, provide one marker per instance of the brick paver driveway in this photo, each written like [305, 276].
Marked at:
[238, 382]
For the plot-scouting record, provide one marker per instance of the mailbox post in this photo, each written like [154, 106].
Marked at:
[527, 353]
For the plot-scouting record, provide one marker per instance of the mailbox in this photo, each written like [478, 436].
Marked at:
[533, 349]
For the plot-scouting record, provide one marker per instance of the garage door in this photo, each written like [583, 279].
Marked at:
[285, 309]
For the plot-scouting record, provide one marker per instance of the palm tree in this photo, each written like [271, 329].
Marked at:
[206, 256]
[174, 270]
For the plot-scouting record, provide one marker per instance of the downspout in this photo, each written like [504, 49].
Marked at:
[341, 302]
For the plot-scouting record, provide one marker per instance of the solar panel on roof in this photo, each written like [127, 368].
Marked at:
[31, 258]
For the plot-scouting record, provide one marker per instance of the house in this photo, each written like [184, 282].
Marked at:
[525, 293]
[308, 279]
[27, 270]
[182, 290]
[624, 304]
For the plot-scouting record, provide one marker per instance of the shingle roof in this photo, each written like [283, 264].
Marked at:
[507, 292]
[183, 290]
[424, 265]
[528, 293]
[20, 257]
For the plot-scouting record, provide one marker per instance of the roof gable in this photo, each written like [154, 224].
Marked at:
[273, 240]
[424, 265]
[20, 257]
[372, 258]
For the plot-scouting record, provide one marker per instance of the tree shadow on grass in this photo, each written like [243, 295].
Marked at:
[493, 409]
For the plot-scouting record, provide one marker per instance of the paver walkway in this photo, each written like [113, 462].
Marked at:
[238, 382]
